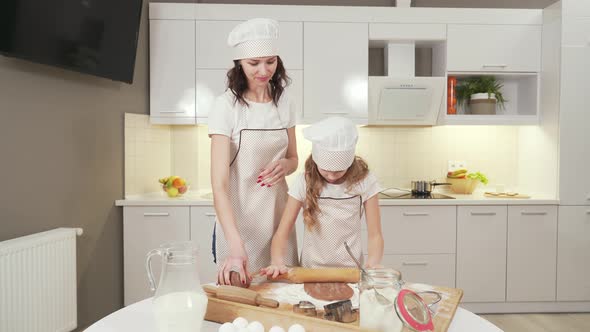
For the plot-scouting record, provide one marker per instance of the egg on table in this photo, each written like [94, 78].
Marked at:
[255, 326]
[227, 327]
[240, 322]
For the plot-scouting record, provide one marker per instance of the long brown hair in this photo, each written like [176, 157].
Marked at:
[237, 82]
[314, 183]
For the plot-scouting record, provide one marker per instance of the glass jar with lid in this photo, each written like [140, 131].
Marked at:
[386, 307]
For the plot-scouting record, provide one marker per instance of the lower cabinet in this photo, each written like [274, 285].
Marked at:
[202, 224]
[481, 253]
[146, 228]
[573, 264]
[432, 269]
[531, 260]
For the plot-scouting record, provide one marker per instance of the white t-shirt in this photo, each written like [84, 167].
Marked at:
[367, 188]
[227, 118]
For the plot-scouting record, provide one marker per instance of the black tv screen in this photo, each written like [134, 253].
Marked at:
[97, 37]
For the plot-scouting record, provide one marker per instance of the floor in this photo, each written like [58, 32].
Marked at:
[541, 322]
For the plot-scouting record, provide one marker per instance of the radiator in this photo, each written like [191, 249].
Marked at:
[38, 282]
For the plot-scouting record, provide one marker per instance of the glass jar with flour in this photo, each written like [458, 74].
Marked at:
[402, 307]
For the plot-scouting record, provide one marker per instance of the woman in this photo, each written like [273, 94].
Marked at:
[253, 148]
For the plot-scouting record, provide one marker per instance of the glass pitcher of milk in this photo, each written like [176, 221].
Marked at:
[179, 300]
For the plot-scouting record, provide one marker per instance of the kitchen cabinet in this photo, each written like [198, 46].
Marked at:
[172, 79]
[202, 223]
[494, 48]
[481, 253]
[531, 248]
[336, 77]
[419, 229]
[146, 228]
[428, 269]
[573, 266]
[574, 150]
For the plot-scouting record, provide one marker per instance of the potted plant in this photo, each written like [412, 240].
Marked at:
[482, 93]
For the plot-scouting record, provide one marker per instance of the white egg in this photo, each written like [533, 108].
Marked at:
[255, 326]
[276, 329]
[296, 328]
[227, 327]
[242, 329]
[240, 322]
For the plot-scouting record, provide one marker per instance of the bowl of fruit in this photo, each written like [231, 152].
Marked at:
[463, 182]
[174, 186]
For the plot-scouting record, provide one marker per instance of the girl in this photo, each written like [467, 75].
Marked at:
[335, 191]
[252, 130]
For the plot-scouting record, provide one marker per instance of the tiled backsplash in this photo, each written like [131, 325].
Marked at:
[396, 155]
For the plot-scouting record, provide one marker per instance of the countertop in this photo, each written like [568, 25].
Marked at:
[203, 198]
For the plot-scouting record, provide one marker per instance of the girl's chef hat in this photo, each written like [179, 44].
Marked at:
[333, 143]
[254, 38]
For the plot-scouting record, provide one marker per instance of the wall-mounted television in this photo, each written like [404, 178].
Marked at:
[97, 37]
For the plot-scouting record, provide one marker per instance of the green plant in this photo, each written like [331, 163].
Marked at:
[480, 84]
[478, 176]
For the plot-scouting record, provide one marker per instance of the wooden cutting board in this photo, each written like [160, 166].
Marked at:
[222, 311]
[505, 195]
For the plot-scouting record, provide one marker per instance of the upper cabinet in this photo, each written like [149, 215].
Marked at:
[172, 80]
[336, 71]
[494, 48]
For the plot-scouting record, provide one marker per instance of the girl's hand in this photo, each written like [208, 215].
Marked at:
[234, 263]
[274, 270]
[373, 266]
[273, 173]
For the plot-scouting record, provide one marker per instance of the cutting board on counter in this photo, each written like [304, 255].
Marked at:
[222, 311]
[505, 195]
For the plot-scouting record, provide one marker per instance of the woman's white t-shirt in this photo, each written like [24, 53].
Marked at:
[228, 118]
[366, 188]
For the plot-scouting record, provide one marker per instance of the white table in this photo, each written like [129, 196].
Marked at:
[140, 317]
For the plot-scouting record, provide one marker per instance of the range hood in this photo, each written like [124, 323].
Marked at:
[401, 98]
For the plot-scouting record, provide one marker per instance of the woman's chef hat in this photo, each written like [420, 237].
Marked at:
[254, 38]
[333, 143]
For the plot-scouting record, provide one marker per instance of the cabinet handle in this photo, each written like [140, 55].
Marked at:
[156, 214]
[210, 214]
[415, 214]
[524, 213]
[173, 112]
[483, 213]
[414, 263]
[495, 65]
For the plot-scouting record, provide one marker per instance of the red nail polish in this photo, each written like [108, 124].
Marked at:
[262, 184]
[258, 181]
[259, 176]
[269, 185]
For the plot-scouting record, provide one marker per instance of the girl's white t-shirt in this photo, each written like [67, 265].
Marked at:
[366, 188]
[227, 118]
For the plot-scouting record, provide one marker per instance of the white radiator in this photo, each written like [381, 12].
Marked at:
[38, 282]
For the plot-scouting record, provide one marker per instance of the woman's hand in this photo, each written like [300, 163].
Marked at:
[373, 266]
[237, 262]
[273, 173]
[274, 270]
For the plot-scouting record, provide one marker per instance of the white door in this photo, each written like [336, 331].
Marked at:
[146, 228]
[336, 70]
[574, 117]
[531, 259]
[573, 265]
[513, 48]
[481, 253]
[201, 233]
[172, 76]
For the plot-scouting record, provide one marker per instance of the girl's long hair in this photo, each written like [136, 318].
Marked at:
[315, 183]
[237, 82]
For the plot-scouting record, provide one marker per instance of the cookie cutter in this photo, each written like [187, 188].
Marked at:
[340, 311]
[305, 308]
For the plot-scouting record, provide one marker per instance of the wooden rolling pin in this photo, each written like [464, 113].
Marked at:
[240, 295]
[299, 275]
